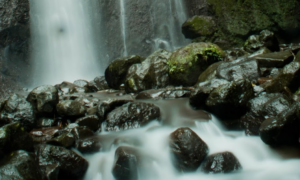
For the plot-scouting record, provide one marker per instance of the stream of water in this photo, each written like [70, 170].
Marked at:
[259, 161]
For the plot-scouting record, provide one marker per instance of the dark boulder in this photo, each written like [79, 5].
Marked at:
[45, 122]
[131, 116]
[20, 165]
[115, 73]
[166, 93]
[44, 99]
[70, 108]
[201, 92]
[13, 137]
[276, 59]
[187, 63]
[224, 162]
[152, 73]
[106, 106]
[91, 121]
[65, 139]
[17, 109]
[126, 163]
[289, 77]
[242, 68]
[210, 73]
[44, 135]
[64, 163]
[229, 101]
[261, 108]
[80, 132]
[264, 39]
[199, 26]
[100, 83]
[188, 149]
[283, 129]
[89, 145]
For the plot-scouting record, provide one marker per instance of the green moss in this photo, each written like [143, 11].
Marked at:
[187, 63]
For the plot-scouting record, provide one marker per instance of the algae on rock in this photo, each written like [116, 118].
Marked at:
[187, 63]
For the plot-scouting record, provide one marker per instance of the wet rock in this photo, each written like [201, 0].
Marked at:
[224, 162]
[104, 107]
[89, 145]
[81, 82]
[152, 73]
[210, 73]
[167, 93]
[70, 108]
[229, 101]
[44, 122]
[261, 108]
[66, 140]
[188, 149]
[126, 163]
[44, 99]
[242, 68]
[19, 165]
[187, 63]
[13, 137]
[235, 53]
[264, 39]
[69, 164]
[92, 122]
[199, 26]
[101, 83]
[276, 59]
[289, 77]
[115, 73]
[283, 129]
[81, 132]
[67, 87]
[44, 135]
[261, 51]
[131, 116]
[200, 94]
[17, 109]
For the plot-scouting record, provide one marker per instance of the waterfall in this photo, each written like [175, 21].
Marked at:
[63, 45]
[123, 21]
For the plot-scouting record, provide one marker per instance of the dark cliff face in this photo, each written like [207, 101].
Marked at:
[14, 44]
[196, 7]
[149, 24]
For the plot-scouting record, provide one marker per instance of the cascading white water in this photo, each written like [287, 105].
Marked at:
[63, 43]
[258, 160]
[123, 21]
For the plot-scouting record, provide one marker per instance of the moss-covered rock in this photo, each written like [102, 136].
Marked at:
[239, 19]
[187, 63]
[151, 73]
[115, 73]
[199, 26]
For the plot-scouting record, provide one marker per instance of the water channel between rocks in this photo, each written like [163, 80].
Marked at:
[259, 161]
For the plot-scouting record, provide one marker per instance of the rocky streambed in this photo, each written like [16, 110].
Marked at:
[185, 114]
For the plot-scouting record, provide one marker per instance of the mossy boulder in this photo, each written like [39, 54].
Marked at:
[187, 63]
[239, 19]
[199, 26]
[115, 73]
[152, 73]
